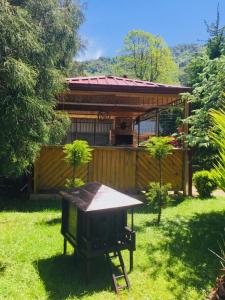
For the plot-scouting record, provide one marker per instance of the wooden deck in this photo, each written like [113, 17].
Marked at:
[126, 169]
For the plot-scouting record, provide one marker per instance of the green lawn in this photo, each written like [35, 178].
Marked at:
[171, 262]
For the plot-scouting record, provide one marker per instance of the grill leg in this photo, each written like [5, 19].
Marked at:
[64, 246]
[88, 271]
[131, 260]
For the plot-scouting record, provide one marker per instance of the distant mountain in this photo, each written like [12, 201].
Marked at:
[104, 65]
[100, 66]
[183, 53]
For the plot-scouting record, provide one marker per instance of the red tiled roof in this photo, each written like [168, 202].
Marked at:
[113, 83]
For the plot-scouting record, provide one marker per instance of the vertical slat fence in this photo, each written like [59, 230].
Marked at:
[126, 169]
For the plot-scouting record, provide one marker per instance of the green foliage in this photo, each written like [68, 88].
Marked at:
[38, 40]
[216, 42]
[194, 69]
[59, 126]
[206, 74]
[100, 66]
[218, 136]
[116, 66]
[157, 196]
[183, 54]
[77, 153]
[208, 94]
[159, 147]
[146, 57]
[74, 183]
[205, 183]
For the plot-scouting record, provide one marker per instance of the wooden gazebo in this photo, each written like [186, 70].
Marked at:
[108, 111]
[108, 107]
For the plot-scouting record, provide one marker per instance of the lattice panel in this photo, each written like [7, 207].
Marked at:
[148, 170]
[120, 168]
[51, 170]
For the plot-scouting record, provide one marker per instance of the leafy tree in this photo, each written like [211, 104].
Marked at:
[159, 147]
[100, 66]
[218, 136]
[59, 125]
[38, 40]
[194, 69]
[157, 193]
[157, 196]
[76, 154]
[216, 42]
[147, 57]
[206, 74]
[208, 94]
[183, 54]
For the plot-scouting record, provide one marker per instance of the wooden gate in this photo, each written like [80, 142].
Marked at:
[115, 167]
[121, 168]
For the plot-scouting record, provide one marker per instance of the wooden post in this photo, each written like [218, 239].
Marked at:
[132, 219]
[131, 260]
[95, 121]
[190, 173]
[64, 246]
[35, 174]
[138, 131]
[186, 163]
[157, 122]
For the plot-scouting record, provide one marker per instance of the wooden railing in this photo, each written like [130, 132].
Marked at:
[125, 169]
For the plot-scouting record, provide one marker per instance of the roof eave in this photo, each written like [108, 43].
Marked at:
[129, 89]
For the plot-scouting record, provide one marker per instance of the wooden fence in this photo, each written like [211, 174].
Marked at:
[125, 169]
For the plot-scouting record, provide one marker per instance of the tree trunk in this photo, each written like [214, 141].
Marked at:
[159, 214]
[160, 173]
[160, 200]
[74, 173]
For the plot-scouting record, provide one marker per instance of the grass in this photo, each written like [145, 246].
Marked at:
[172, 261]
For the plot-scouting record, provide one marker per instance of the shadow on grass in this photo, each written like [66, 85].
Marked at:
[27, 205]
[188, 241]
[64, 276]
[54, 221]
[146, 208]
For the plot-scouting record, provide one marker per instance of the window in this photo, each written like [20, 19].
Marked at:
[95, 132]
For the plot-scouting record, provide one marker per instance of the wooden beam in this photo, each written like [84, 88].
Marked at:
[98, 107]
[117, 94]
[154, 99]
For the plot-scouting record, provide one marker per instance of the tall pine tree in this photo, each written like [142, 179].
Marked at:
[206, 74]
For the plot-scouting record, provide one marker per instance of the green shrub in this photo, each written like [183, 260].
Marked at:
[74, 183]
[157, 196]
[205, 183]
[76, 154]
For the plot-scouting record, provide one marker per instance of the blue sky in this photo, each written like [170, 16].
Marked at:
[177, 21]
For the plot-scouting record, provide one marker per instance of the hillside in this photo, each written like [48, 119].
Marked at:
[105, 65]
